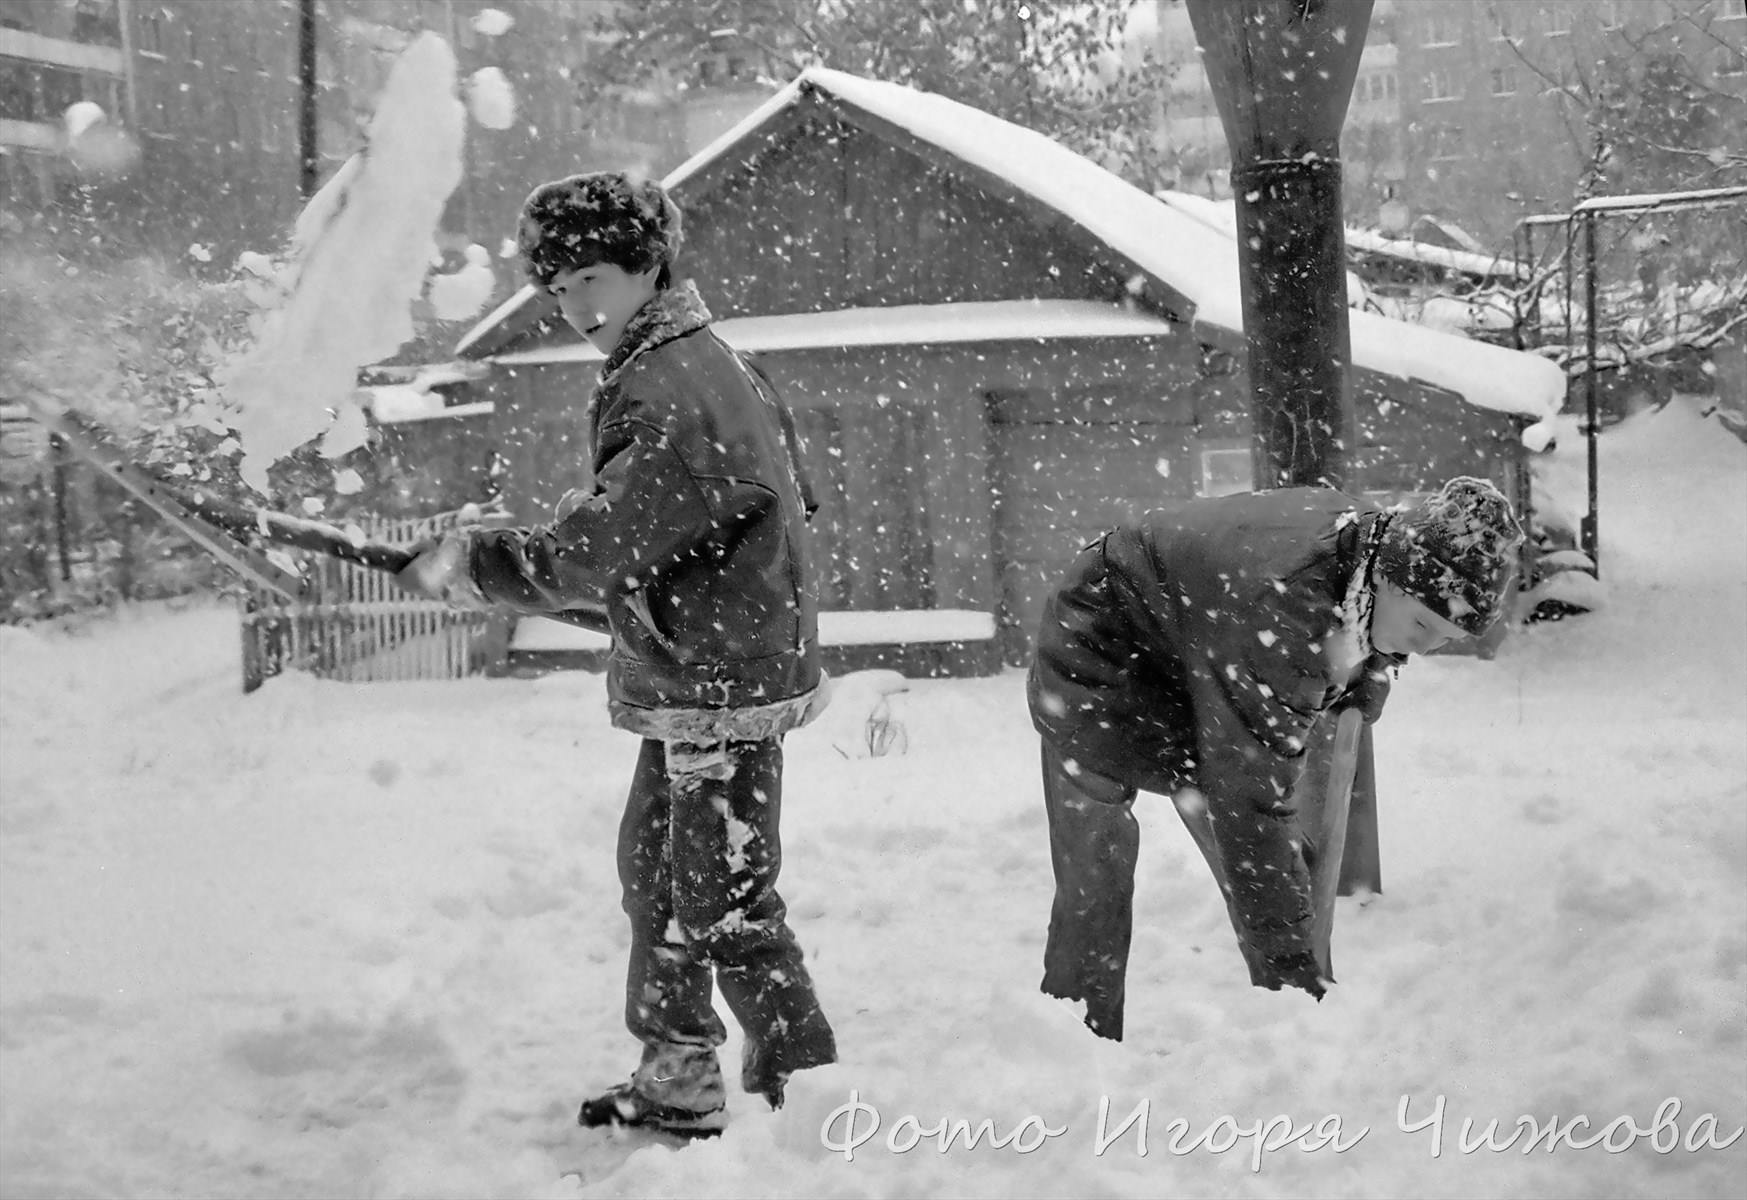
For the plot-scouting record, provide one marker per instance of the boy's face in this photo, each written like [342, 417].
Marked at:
[1401, 624]
[600, 299]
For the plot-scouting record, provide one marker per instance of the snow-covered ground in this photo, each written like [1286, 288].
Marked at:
[363, 939]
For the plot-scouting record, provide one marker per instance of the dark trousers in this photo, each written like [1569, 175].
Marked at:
[1094, 842]
[699, 852]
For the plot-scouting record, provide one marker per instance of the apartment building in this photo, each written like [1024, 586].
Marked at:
[209, 94]
[1470, 114]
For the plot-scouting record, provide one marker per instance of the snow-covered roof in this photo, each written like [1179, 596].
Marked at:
[1180, 252]
[1466, 262]
[1164, 243]
[397, 403]
[1221, 216]
[903, 325]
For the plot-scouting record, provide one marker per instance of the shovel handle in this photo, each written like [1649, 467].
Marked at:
[1332, 831]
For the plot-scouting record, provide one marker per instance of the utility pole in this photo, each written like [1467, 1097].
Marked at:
[308, 153]
[1282, 73]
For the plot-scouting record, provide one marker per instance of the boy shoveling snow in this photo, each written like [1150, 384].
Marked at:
[1190, 654]
[695, 536]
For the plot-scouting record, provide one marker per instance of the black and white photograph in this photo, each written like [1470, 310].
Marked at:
[873, 598]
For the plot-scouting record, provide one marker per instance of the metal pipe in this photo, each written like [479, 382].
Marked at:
[58, 476]
[1591, 534]
[1292, 253]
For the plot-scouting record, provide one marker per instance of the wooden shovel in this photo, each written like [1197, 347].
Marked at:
[236, 533]
[1330, 818]
[1331, 832]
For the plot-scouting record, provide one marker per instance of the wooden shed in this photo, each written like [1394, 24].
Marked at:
[995, 349]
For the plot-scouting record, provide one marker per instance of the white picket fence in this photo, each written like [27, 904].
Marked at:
[358, 625]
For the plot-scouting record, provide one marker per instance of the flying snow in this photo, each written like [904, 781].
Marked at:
[491, 99]
[363, 247]
[82, 115]
[462, 294]
[492, 22]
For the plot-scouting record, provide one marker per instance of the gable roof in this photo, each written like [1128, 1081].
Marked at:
[1196, 267]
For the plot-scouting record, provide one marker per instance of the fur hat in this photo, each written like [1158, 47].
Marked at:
[606, 216]
[1455, 552]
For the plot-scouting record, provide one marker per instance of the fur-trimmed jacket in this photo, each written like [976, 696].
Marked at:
[1195, 649]
[694, 535]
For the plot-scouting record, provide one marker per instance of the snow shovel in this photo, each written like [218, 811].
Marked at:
[1330, 818]
[227, 529]
[1331, 833]
[233, 532]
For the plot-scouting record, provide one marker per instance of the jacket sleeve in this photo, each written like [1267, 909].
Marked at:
[1256, 694]
[647, 511]
[791, 436]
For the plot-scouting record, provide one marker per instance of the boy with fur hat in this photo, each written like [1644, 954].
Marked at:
[694, 536]
[1189, 654]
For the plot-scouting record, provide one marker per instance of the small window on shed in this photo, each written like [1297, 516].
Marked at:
[1228, 465]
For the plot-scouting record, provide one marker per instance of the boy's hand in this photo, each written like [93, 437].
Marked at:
[1369, 694]
[442, 570]
[1297, 970]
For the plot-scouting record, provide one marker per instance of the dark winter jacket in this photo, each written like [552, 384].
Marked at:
[694, 536]
[1194, 649]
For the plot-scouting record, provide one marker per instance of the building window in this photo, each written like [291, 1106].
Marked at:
[97, 22]
[20, 91]
[61, 89]
[1558, 20]
[1389, 85]
[1227, 466]
[154, 103]
[1504, 81]
[270, 115]
[1440, 29]
[1731, 61]
[1502, 17]
[1610, 15]
[1445, 143]
[1440, 86]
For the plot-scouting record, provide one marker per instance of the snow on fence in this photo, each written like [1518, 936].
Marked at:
[358, 625]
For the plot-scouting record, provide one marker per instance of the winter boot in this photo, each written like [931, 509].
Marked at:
[627, 1107]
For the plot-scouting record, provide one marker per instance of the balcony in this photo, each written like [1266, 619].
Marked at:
[78, 56]
[29, 135]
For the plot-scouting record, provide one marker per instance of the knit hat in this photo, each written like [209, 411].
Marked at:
[1454, 552]
[606, 216]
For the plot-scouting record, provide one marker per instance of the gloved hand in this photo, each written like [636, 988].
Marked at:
[1370, 692]
[1297, 970]
[442, 570]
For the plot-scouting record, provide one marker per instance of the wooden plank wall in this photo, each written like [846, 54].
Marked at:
[836, 218]
[539, 428]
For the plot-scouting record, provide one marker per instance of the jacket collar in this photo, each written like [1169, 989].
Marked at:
[672, 312]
